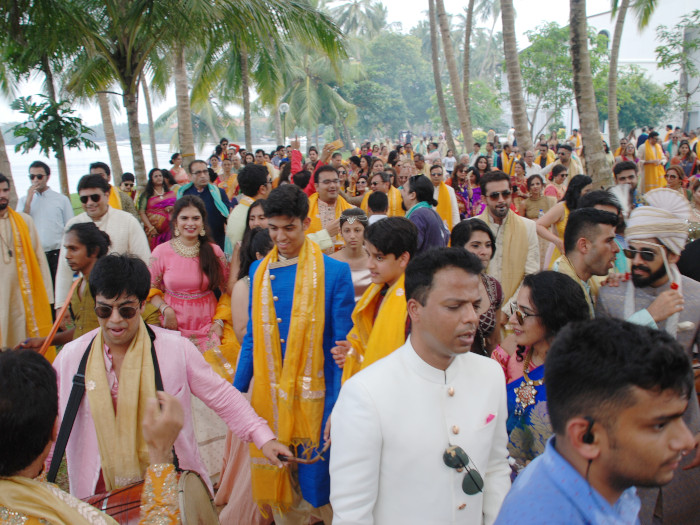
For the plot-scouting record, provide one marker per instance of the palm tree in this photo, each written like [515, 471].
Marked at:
[149, 115]
[596, 163]
[8, 87]
[110, 136]
[462, 113]
[434, 46]
[515, 81]
[469, 14]
[362, 18]
[488, 10]
[643, 9]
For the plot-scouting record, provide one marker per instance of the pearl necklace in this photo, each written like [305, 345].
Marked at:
[159, 194]
[183, 250]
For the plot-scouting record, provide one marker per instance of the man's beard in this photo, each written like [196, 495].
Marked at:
[4, 204]
[643, 282]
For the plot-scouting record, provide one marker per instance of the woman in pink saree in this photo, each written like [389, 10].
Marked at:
[155, 205]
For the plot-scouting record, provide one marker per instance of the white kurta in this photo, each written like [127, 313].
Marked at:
[125, 234]
[13, 321]
[390, 427]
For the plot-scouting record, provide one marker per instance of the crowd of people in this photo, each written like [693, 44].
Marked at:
[398, 335]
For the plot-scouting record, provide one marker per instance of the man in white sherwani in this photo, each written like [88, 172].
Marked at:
[420, 436]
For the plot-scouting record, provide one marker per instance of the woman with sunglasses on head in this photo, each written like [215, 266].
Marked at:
[558, 215]
[675, 178]
[546, 302]
[686, 159]
[480, 168]
[154, 206]
[352, 228]
[475, 236]
[459, 181]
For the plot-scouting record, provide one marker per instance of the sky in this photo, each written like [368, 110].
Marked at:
[529, 15]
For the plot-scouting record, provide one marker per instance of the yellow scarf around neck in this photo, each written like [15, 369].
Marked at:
[37, 310]
[123, 451]
[653, 174]
[564, 265]
[44, 501]
[444, 205]
[316, 226]
[395, 201]
[369, 345]
[114, 198]
[507, 162]
[289, 393]
[515, 248]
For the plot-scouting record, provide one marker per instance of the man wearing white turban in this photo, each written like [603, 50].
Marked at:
[660, 297]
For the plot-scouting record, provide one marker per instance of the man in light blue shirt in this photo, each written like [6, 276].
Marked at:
[616, 394]
[49, 209]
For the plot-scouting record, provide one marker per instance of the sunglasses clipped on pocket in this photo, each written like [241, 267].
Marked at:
[455, 457]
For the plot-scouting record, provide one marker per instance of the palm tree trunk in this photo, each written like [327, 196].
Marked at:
[7, 171]
[185, 135]
[60, 154]
[434, 45]
[464, 117]
[612, 77]
[245, 86]
[151, 126]
[132, 118]
[110, 136]
[278, 124]
[466, 59]
[596, 164]
[515, 81]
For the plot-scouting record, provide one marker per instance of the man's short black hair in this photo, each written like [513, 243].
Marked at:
[128, 176]
[89, 235]
[301, 178]
[224, 139]
[261, 151]
[566, 147]
[477, 144]
[42, 165]
[421, 269]
[287, 200]
[393, 235]
[115, 274]
[337, 154]
[386, 177]
[323, 169]
[599, 198]
[251, 177]
[3, 178]
[418, 156]
[584, 222]
[436, 166]
[101, 165]
[463, 231]
[593, 366]
[93, 181]
[28, 408]
[653, 134]
[624, 166]
[378, 202]
[313, 148]
[423, 188]
[195, 161]
[492, 176]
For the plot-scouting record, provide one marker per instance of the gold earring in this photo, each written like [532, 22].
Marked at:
[176, 232]
[202, 233]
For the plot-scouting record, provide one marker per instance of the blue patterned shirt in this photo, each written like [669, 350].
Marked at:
[550, 490]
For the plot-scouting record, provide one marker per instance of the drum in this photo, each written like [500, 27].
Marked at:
[195, 502]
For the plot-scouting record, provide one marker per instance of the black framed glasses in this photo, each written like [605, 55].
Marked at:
[496, 194]
[330, 181]
[94, 197]
[32, 177]
[126, 312]
[519, 314]
[455, 457]
[646, 254]
[200, 172]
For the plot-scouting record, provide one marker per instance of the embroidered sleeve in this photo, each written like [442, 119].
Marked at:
[159, 502]
[156, 270]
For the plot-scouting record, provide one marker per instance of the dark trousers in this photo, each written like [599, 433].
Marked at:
[52, 259]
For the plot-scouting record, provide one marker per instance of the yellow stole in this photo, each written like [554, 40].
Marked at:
[507, 163]
[289, 393]
[114, 199]
[223, 358]
[370, 345]
[515, 249]
[563, 265]
[395, 201]
[37, 310]
[653, 175]
[316, 226]
[39, 500]
[230, 185]
[123, 450]
[444, 206]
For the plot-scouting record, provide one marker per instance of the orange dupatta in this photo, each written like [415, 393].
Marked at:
[114, 199]
[444, 205]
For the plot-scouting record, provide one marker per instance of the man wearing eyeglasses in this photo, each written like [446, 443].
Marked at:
[123, 229]
[215, 200]
[659, 297]
[325, 208]
[419, 437]
[565, 158]
[104, 451]
[517, 246]
[49, 209]
[382, 182]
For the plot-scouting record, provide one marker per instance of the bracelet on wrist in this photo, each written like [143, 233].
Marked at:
[163, 307]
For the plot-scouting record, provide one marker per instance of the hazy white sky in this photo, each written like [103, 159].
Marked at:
[529, 14]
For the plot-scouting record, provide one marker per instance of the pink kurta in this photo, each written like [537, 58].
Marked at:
[185, 373]
[185, 289]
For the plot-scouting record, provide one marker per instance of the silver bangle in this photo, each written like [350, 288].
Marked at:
[220, 322]
[162, 308]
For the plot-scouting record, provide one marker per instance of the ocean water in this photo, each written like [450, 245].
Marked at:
[79, 161]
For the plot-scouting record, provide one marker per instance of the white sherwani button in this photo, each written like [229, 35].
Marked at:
[275, 298]
[272, 277]
[282, 341]
[279, 320]
[451, 392]
[462, 506]
[455, 429]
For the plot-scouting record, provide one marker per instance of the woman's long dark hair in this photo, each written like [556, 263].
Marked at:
[476, 169]
[455, 178]
[255, 241]
[209, 263]
[149, 191]
[258, 203]
[557, 300]
[573, 192]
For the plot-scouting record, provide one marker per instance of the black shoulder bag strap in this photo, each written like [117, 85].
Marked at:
[76, 397]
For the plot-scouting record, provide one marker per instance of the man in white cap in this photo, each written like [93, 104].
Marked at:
[660, 297]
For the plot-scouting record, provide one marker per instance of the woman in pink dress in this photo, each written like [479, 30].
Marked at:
[155, 205]
[186, 270]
